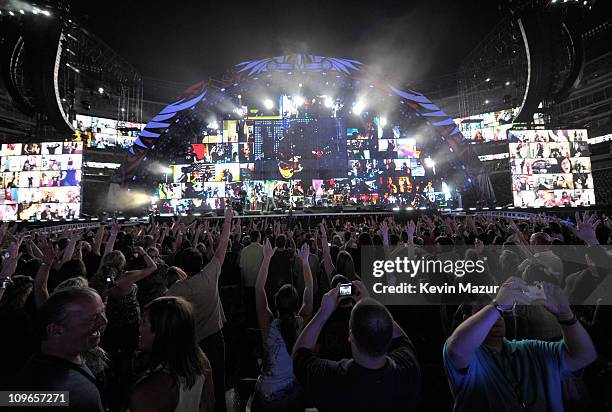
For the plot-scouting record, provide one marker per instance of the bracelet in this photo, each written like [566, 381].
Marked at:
[568, 322]
[497, 308]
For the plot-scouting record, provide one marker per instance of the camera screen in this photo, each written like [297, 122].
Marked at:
[346, 290]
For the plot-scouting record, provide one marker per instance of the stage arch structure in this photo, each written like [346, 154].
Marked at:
[298, 73]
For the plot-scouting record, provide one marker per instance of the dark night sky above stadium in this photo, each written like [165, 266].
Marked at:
[184, 41]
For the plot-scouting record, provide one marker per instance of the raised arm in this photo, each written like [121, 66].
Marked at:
[384, 232]
[225, 233]
[69, 251]
[310, 334]
[306, 309]
[9, 265]
[579, 348]
[410, 229]
[264, 314]
[126, 281]
[49, 252]
[471, 333]
[327, 260]
[95, 248]
[196, 237]
[110, 242]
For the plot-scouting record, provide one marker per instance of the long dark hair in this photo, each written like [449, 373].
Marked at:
[175, 347]
[286, 300]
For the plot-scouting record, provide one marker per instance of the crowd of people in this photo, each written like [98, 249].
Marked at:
[247, 314]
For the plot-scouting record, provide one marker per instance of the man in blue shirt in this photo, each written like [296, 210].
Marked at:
[487, 372]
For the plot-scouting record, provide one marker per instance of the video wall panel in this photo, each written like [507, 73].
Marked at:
[301, 161]
[103, 133]
[551, 168]
[486, 127]
[40, 180]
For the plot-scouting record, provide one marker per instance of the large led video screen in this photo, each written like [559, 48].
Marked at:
[550, 168]
[103, 133]
[308, 161]
[40, 180]
[486, 127]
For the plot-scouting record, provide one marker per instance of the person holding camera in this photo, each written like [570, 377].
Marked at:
[488, 372]
[383, 371]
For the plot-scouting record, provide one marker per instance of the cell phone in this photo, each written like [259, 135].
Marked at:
[110, 281]
[346, 289]
[535, 293]
[6, 255]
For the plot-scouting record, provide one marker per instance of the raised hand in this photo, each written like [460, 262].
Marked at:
[329, 302]
[410, 229]
[229, 213]
[323, 231]
[384, 230]
[361, 291]
[115, 228]
[268, 250]
[557, 302]
[304, 252]
[49, 251]
[586, 227]
[511, 292]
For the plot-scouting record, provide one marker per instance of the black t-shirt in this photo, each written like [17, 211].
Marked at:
[333, 339]
[48, 373]
[348, 386]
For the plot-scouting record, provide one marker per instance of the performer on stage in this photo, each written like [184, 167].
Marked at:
[310, 195]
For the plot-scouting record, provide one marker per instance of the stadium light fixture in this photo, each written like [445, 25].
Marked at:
[46, 13]
[329, 102]
[268, 104]
[11, 13]
[21, 11]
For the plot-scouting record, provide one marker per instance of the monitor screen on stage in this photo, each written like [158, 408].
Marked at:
[550, 168]
[102, 133]
[40, 180]
[486, 127]
[310, 161]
